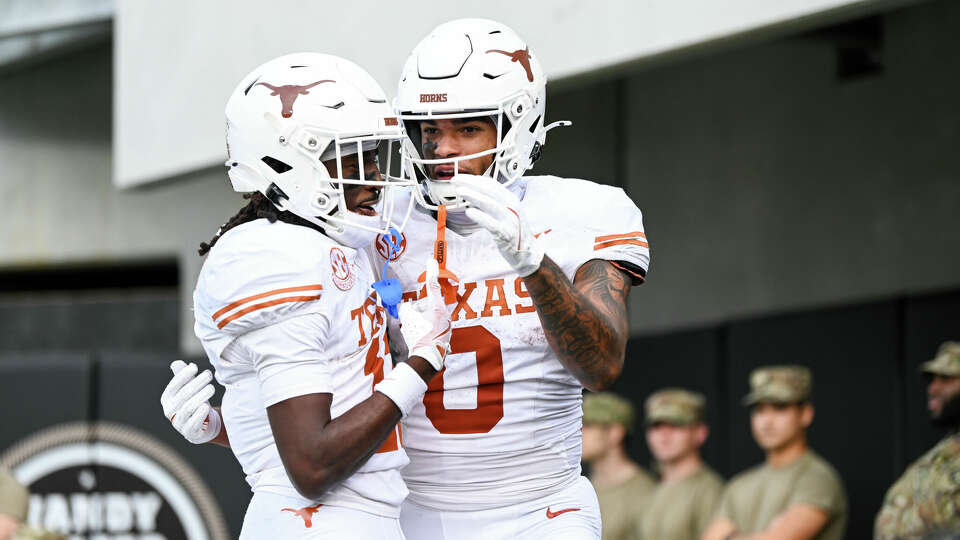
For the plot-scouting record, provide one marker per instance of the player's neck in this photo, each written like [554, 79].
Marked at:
[679, 469]
[788, 453]
[613, 469]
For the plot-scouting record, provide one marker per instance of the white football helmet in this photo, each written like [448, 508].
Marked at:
[293, 113]
[473, 68]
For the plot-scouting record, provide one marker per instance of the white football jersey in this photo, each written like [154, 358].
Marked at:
[501, 423]
[284, 311]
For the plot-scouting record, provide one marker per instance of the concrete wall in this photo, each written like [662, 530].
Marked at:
[59, 204]
[767, 184]
[195, 61]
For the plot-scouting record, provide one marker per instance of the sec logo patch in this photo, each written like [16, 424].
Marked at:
[342, 276]
[383, 247]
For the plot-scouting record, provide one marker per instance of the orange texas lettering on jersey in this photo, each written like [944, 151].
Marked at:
[370, 319]
[371, 325]
[489, 298]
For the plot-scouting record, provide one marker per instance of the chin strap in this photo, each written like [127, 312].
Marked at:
[448, 280]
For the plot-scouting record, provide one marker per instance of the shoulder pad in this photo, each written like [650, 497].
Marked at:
[260, 273]
[599, 221]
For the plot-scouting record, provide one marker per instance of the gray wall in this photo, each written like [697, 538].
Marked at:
[60, 206]
[768, 185]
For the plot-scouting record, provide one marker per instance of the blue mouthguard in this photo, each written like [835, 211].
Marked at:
[389, 290]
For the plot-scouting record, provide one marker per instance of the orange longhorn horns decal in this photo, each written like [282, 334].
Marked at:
[288, 94]
[522, 56]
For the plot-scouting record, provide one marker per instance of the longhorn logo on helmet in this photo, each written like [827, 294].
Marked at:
[521, 56]
[288, 94]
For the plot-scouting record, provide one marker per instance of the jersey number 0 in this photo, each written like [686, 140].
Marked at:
[489, 410]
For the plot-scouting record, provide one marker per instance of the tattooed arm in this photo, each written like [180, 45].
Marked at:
[585, 321]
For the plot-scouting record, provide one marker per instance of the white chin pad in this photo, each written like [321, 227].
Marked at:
[442, 189]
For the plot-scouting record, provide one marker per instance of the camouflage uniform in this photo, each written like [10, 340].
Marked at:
[681, 509]
[621, 506]
[779, 384]
[674, 406]
[754, 498]
[925, 501]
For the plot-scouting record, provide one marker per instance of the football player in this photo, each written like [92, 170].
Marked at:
[543, 267]
[539, 272]
[286, 314]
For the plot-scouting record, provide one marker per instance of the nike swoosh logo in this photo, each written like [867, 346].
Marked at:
[551, 515]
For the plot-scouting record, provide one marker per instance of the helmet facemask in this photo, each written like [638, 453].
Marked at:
[320, 197]
[473, 68]
[509, 116]
[294, 113]
[343, 224]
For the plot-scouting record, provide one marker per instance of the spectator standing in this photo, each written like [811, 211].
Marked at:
[688, 493]
[795, 494]
[623, 487]
[925, 501]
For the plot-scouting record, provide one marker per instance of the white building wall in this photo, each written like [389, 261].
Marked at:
[183, 56]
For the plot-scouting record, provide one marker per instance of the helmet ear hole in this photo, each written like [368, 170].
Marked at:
[278, 166]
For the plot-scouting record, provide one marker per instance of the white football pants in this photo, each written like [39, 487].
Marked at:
[276, 516]
[570, 514]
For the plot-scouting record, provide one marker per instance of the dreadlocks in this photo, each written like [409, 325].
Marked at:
[258, 207]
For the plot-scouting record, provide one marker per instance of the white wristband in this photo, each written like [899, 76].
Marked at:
[403, 386]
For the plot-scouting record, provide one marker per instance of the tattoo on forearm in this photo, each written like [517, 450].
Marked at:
[586, 321]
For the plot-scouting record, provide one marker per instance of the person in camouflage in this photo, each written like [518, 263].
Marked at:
[623, 487]
[686, 497]
[925, 502]
[795, 494]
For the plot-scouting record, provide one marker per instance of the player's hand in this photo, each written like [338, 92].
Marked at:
[186, 403]
[496, 209]
[425, 323]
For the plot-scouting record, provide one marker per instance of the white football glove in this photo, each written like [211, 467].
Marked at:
[496, 209]
[425, 323]
[186, 404]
